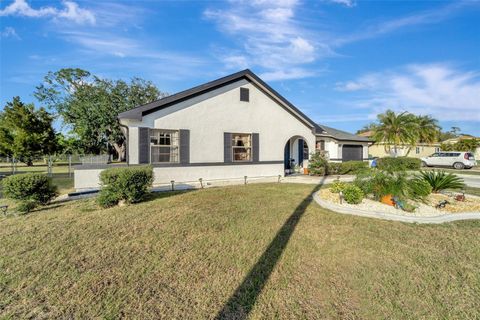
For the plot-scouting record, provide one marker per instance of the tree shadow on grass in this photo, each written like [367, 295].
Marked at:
[241, 302]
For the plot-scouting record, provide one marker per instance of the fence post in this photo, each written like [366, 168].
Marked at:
[245, 178]
[49, 162]
[69, 165]
[14, 165]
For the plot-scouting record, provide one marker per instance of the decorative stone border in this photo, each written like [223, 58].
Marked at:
[394, 217]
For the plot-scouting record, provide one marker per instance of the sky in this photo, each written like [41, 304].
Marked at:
[339, 61]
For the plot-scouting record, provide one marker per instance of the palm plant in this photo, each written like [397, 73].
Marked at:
[426, 130]
[395, 129]
[440, 180]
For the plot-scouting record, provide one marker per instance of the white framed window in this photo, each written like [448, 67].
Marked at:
[241, 147]
[164, 146]
[417, 150]
[437, 149]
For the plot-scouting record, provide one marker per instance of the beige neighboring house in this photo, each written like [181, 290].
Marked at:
[465, 137]
[418, 151]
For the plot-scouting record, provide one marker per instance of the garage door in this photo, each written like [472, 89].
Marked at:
[352, 152]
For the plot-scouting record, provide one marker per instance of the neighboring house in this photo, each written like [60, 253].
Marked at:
[420, 150]
[229, 128]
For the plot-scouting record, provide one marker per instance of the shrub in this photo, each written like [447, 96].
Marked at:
[25, 206]
[353, 194]
[337, 186]
[130, 184]
[398, 164]
[440, 180]
[373, 182]
[334, 168]
[418, 189]
[29, 187]
[318, 164]
[353, 167]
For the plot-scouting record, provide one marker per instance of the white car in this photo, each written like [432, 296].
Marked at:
[456, 159]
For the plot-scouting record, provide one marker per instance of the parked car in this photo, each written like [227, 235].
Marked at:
[455, 159]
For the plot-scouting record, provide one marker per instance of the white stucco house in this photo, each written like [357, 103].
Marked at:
[229, 128]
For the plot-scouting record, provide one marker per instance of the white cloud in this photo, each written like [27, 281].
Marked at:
[9, 32]
[269, 36]
[409, 21]
[437, 89]
[71, 12]
[346, 3]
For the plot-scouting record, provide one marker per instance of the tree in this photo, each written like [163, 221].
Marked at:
[395, 129]
[25, 132]
[427, 129]
[367, 127]
[90, 105]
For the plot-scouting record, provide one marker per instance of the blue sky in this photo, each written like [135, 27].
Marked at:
[339, 61]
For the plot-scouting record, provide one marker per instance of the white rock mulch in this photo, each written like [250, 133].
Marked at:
[375, 206]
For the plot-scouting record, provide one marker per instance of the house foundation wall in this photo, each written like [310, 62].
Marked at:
[89, 179]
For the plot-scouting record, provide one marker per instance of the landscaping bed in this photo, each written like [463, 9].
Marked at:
[427, 209]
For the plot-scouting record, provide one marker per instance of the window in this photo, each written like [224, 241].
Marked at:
[164, 146]
[417, 150]
[305, 150]
[241, 147]
[244, 94]
[321, 145]
[437, 149]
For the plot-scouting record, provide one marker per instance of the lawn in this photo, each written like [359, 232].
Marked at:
[256, 251]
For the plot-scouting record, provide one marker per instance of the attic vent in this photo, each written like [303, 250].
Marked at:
[244, 94]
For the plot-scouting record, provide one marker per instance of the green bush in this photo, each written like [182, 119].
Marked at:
[29, 187]
[418, 189]
[317, 164]
[353, 194]
[129, 184]
[353, 167]
[440, 180]
[373, 182]
[398, 164]
[337, 186]
[25, 206]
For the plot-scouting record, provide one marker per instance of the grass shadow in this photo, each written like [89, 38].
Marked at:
[241, 302]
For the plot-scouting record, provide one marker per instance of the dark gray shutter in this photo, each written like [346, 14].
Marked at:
[300, 150]
[184, 146]
[255, 147]
[143, 145]
[227, 147]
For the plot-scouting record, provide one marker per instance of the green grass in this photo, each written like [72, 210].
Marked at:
[261, 250]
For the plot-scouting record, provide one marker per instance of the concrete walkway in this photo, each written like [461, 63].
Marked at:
[393, 217]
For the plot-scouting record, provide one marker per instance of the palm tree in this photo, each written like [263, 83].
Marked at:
[428, 129]
[395, 129]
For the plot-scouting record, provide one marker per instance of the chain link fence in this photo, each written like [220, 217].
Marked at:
[50, 165]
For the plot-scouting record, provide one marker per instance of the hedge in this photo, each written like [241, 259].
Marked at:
[128, 184]
[31, 189]
[349, 167]
[398, 164]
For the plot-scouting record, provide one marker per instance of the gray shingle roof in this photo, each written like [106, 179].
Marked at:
[340, 135]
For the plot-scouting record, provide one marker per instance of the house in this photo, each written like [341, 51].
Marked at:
[229, 128]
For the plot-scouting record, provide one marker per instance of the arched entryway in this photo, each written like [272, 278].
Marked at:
[295, 155]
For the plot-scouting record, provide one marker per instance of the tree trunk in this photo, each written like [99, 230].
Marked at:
[120, 149]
